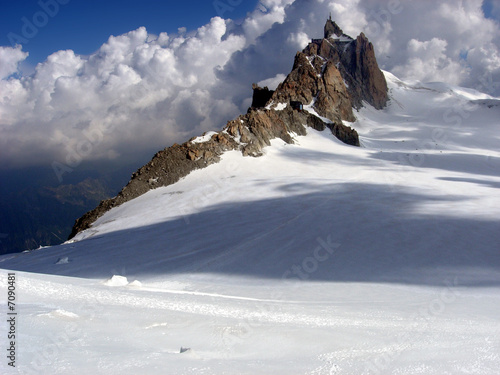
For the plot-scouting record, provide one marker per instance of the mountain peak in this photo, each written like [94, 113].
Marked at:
[356, 62]
[331, 28]
[329, 78]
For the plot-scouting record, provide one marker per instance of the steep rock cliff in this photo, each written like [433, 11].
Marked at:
[355, 60]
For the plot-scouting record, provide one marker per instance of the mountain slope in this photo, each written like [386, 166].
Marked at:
[333, 75]
[317, 258]
[417, 170]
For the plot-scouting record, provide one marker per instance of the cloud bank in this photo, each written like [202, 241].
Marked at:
[141, 92]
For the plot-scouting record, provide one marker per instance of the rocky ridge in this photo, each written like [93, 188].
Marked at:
[330, 77]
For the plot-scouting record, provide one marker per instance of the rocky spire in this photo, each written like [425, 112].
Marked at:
[331, 28]
[355, 59]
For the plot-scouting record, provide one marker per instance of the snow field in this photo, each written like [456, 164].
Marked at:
[317, 258]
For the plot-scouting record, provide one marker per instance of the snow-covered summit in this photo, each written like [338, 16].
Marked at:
[426, 153]
[331, 78]
[316, 258]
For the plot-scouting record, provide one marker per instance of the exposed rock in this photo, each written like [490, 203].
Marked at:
[316, 80]
[249, 133]
[333, 75]
[365, 79]
[261, 96]
[355, 60]
[331, 29]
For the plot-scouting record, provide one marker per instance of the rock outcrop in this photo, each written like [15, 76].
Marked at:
[330, 77]
[261, 96]
[355, 60]
[331, 29]
[249, 133]
[315, 80]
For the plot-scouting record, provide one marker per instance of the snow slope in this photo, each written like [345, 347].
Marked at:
[317, 258]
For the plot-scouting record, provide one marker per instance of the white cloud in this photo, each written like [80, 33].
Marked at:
[298, 40]
[427, 61]
[10, 59]
[273, 82]
[435, 41]
[141, 92]
[133, 88]
[265, 15]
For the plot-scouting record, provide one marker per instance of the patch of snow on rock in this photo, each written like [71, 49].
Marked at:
[268, 107]
[280, 106]
[203, 138]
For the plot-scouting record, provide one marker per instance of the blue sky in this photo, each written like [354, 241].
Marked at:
[84, 25]
[491, 9]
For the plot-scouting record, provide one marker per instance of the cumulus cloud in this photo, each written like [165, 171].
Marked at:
[141, 92]
[150, 91]
[10, 59]
[427, 61]
[273, 82]
[437, 41]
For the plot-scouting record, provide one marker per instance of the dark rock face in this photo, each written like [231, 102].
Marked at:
[261, 95]
[367, 82]
[333, 75]
[316, 80]
[355, 60]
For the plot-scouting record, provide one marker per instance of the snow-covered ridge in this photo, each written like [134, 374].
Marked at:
[316, 73]
[316, 258]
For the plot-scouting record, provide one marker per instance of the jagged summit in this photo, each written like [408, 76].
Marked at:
[355, 59]
[329, 78]
[331, 29]
[348, 71]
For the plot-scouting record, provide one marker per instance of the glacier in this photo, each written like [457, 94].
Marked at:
[316, 258]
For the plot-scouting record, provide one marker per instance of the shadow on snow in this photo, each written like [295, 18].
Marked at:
[344, 232]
